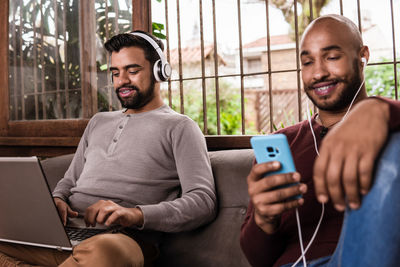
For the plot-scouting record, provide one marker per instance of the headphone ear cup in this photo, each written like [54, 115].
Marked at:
[166, 71]
[157, 71]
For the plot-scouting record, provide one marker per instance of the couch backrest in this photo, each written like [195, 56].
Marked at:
[215, 244]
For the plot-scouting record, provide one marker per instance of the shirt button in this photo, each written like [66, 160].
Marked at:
[115, 140]
[121, 127]
[128, 115]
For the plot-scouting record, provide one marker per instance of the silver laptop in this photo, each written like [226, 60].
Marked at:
[28, 214]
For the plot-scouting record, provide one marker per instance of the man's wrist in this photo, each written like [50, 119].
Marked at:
[269, 226]
[138, 217]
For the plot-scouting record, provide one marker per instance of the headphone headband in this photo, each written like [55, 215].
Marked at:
[162, 69]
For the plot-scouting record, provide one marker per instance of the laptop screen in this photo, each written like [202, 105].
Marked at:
[28, 213]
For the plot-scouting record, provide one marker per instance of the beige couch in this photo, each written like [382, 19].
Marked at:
[215, 244]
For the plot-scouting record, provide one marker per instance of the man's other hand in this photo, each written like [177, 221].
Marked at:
[107, 212]
[345, 166]
[268, 201]
[64, 210]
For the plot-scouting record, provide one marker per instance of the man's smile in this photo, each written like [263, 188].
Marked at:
[324, 88]
[126, 91]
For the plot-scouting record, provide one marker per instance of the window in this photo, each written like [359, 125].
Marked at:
[51, 45]
[236, 69]
[245, 73]
[53, 74]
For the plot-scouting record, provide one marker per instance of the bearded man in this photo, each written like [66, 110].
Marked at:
[144, 168]
[334, 153]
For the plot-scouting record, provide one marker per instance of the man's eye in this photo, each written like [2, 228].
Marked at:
[333, 58]
[114, 74]
[133, 71]
[306, 63]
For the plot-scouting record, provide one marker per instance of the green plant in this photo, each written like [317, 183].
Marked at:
[229, 103]
[380, 80]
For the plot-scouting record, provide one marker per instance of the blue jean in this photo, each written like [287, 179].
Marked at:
[370, 236]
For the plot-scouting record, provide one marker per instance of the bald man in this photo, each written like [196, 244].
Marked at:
[335, 153]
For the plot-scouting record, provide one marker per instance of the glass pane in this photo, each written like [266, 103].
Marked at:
[112, 17]
[43, 58]
[44, 55]
[380, 81]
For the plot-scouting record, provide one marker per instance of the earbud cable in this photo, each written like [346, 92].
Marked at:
[304, 251]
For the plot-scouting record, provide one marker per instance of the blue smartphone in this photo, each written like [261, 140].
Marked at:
[274, 147]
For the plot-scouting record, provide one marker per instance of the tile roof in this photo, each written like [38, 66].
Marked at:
[274, 40]
[192, 55]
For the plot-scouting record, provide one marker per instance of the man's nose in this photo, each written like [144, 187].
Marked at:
[320, 70]
[123, 79]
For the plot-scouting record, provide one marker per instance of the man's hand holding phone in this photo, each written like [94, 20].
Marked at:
[272, 188]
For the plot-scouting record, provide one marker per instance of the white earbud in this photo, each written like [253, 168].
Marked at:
[364, 61]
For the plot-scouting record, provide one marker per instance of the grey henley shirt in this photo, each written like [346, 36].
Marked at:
[156, 160]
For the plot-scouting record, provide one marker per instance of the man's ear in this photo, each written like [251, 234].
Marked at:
[364, 56]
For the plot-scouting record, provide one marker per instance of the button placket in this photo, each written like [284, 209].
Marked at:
[118, 133]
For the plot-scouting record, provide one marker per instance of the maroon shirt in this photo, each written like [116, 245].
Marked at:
[283, 246]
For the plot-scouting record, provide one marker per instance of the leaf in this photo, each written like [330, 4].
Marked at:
[158, 26]
[103, 67]
[157, 30]
[159, 35]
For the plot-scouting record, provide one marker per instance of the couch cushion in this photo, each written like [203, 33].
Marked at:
[55, 168]
[216, 244]
[230, 169]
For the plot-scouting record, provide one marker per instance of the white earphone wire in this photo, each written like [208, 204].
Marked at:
[304, 251]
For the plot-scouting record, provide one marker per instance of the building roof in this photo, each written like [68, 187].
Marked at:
[274, 40]
[192, 55]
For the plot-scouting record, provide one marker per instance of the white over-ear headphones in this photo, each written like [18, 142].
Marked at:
[161, 69]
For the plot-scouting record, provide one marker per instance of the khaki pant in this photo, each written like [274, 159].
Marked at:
[105, 250]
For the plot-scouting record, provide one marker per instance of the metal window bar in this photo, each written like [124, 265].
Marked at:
[66, 83]
[341, 7]
[359, 16]
[57, 61]
[107, 33]
[15, 68]
[178, 18]
[21, 61]
[42, 62]
[35, 81]
[311, 10]
[296, 23]
[394, 52]
[271, 110]
[216, 70]
[203, 69]
[168, 52]
[241, 68]
[116, 10]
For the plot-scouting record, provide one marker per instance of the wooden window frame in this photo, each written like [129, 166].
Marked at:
[49, 138]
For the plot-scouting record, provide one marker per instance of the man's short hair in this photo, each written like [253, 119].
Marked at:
[119, 41]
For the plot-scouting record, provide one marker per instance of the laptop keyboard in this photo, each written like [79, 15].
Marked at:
[79, 234]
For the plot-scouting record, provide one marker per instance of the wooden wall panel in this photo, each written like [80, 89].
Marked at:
[141, 15]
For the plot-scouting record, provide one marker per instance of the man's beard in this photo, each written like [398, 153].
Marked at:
[140, 99]
[345, 97]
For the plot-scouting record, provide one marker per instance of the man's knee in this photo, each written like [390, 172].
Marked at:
[102, 250]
